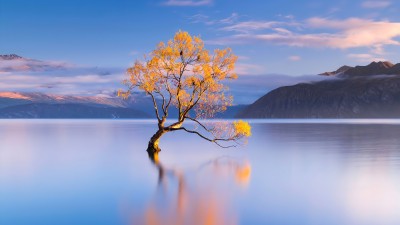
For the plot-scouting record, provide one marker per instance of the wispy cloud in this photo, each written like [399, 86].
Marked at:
[30, 65]
[365, 57]
[294, 58]
[231, 19]
[316, 33]
[205, 19]
[188, 2]
[57, 77]
[249, 69]
[201, 18]
[249, 26]
[376, 4]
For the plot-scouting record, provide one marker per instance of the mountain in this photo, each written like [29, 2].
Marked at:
[230, 112]
[359, 92]
[374, 68]
[20, 104]
[45, 110]
[39, 105]
[10, 57]
[16, 63]
[341, 70]
[36, 97]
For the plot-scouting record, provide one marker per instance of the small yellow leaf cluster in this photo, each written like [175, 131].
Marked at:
[242, 128]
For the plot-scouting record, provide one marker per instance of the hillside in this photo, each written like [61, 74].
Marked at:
[362, 94]
[45, 110]
[40, 105]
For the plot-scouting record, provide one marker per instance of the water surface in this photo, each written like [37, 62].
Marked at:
[291, 172]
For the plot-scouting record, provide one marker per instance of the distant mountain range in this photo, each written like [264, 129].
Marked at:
[371, 91]
[68, 110]
[13, 62]
[39, 105]
[10, 57]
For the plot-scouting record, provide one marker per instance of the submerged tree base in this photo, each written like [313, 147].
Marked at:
[153, 155]
[153, 149]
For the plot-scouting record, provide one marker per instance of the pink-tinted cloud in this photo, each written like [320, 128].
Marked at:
[355, 32]
[29, 75]
[365, 57]
[249, 69]
[316, 33]
[25, 65]
[294, 58]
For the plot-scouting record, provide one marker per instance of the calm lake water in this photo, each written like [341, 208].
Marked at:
[290, 172]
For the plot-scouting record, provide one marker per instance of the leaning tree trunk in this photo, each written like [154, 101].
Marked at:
[153, 148]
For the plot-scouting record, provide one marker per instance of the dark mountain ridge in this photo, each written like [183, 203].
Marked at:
[371, 91]
[374, 68]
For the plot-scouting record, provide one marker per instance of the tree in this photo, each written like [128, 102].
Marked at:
[183, 74]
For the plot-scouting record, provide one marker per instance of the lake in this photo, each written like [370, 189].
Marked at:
[290, 172]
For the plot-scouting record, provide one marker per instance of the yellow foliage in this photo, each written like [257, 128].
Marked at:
[183, 74]
[242, 128]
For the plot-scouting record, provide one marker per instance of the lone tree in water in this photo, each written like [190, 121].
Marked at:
[183, 74]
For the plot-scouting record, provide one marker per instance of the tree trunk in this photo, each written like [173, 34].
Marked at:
[153, 148]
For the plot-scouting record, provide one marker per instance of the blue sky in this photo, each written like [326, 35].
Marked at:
[295, 38]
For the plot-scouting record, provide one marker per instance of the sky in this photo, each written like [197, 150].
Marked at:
[278, 42]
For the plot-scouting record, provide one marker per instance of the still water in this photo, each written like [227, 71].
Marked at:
[290, 172]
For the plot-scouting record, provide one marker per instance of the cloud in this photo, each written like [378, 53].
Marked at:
[231, 19]
[315, 33]
[294, 58]
[23, 64]
[365, 57]
[376, 4]
[201, 18]
[248, 26]
[248, 69]
[78, 84]
[30, 75]
[188, 2]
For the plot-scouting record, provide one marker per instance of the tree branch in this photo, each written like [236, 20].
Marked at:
[163, 103]
[198, 122]
[215, 140]
[155, 106]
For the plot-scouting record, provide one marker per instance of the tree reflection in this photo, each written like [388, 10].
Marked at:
[182, 199]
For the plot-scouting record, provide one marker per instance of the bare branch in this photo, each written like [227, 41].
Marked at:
[155, 106]
[163, 103]
[198, 122]
[215, 140]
